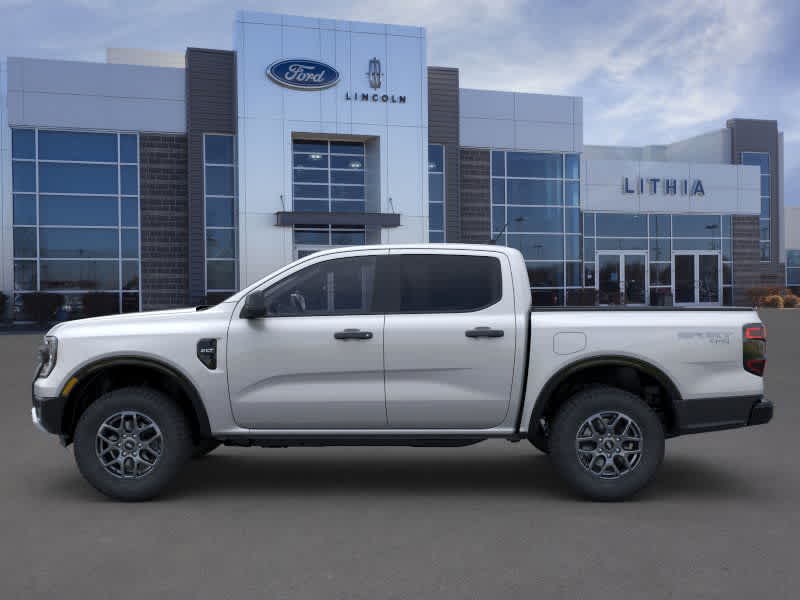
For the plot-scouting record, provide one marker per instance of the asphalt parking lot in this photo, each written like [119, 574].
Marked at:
[488, 521]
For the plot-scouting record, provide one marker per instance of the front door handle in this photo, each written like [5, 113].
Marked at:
[486, 332]
[353, 334]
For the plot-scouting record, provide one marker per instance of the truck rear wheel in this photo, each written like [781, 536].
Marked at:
[606, 443]
[130, 443]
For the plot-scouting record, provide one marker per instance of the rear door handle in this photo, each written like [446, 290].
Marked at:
[486, 332]
[353, 334]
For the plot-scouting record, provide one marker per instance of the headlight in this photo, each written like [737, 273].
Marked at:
[48, 353]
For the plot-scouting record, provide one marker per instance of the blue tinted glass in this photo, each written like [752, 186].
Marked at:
[74, 145]
[530, 164]
[660, 226]
[696, 225]
[80, 275]
[77, 210]
[310, 191]
[24, 275]
[538, 247]
[219, 212]
[498, 218]
[572, 220]
[727, 273]
[793, 258]
[498, 191]
[320, 161]
[793, 277]
[765, 250]
[348, 206]
[342, 162]
[546, 274]
[660, 274]
[437, 237]
[573, 166]
[765, 185]
[588, 249]
[130, 212]
[727, 249]
[348, 238]
[25, 242]
[726, 225]
[129, 180]
[128, 149]
[23, 176]
[695, 244]
[220, 243]
[219, 181]
[23, 143]
[130, 275]
[78, 179]
[759, 159]
[498, 163]
[572, 247]
[588, 271]
[24, 209]
[78, 243]
[573, 274]
[311, 205]
[435, 158]
[526, 191]
[347, 148]
[572, 189]
[219, 149]
[588, 224]
[660, 249]
[311, 237]
[221, 274]
[765, 207]
[626, 225]
[764, 229]
[130, 243]
[436, 216]
[621, 243]
[356, 177]
[309, 146]
[539, 220]
[347, 192]
[436, 187]
[313, 175]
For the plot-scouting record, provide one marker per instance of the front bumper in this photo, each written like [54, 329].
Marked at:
[714, 414]
[47, 413]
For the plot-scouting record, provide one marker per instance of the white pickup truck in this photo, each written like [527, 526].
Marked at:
[419, 345]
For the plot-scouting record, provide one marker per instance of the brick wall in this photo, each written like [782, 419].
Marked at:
[476, 219]
[748, 271]
[164, 220]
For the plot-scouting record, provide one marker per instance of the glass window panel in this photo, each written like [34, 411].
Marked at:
[660, 296]
[78, 146]
[727, 296]
[572, 220]
[546, 274]
[77, 179]
[532, 164]
[311, 175]
[130, 302]
[727, 273]
[793, 276]
[347, 148]
[436, 216]
[318, 237]
[498, 163]
[343, 162]
[588, 274]
[727, 249]
[573, 166]
[588, 224]
[727, 225]
[23, 176]
[660, 249]
[25, 275]
[572, 190]
[538, 247]
[547, 297]
[765, 207]
[759, 159]
[25, 242]
[220, 181]
[310, 146]
[314, 160]
[621, 243]
[436, 237]
[128, 148]
[219, 149]
[220, 243]
[358, 177]
[793, 258]
[588, 249]
[763, 229]
[311, 205]
[221, 274]
[130, 212]
[129, 183]
[573, 274]
[23, 143]
[435, 158]
[219, 212]
[696, 225]
[436, 187]
[660, 274]
[535, 219]
[695, 244]
[77, 210]
[660, 226]
[625, 225]
[79, 275]
[498, 218]
[765, 185]
[498, 191]
[24, 209]
[78, 243]
[526, 191]
[348, 206]
[130, 274]
[572, 247]
[310, 191]
[348, 238]
[130, 243]
[347, 192]
[765, 250]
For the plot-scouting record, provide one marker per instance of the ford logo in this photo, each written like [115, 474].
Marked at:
[302, 74]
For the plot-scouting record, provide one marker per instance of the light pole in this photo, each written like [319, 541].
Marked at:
[503, 230]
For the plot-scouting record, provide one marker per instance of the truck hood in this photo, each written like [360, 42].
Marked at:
[139, 318]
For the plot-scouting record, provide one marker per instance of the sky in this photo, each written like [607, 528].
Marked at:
[649, 72]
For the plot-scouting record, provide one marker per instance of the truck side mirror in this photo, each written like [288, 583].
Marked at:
[255, 306]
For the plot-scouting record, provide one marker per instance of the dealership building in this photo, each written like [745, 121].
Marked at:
[158, 180]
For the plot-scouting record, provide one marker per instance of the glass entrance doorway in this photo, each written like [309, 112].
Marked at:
[696, 278]
[622, 278]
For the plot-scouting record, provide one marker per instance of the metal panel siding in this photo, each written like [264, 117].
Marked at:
[443, 128]
[210, 108]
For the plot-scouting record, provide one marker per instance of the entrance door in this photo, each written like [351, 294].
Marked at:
[696, 278]
[622, 278]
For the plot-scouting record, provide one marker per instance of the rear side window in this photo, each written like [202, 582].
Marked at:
[438, 283]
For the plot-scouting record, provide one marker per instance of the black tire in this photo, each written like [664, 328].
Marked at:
[174, 446]
[203, 447]
[605, 486]
[540, 442]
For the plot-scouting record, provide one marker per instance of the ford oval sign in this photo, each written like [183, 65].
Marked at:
[303, 74]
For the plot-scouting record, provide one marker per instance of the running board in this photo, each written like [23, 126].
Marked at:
[387, 440]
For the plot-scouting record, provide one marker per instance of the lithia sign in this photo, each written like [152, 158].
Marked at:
[306, 74]
[667, 186]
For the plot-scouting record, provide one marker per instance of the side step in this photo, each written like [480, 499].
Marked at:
[385, 440]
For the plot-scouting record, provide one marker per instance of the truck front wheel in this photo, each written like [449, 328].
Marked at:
[606, 443]
[131, 442]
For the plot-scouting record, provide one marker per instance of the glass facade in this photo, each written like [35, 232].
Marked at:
[436, 193]
[536, 209]
[76, 221]
[219, 163]
[761, 160]
[793, 269]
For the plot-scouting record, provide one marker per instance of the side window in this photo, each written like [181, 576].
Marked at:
[340, 286]
[439, 283]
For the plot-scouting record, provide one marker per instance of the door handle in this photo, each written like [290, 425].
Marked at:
[486, 332]
[353, 334]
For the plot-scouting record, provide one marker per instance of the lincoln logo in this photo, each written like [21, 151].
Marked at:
[301, 74]
[374, 74]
